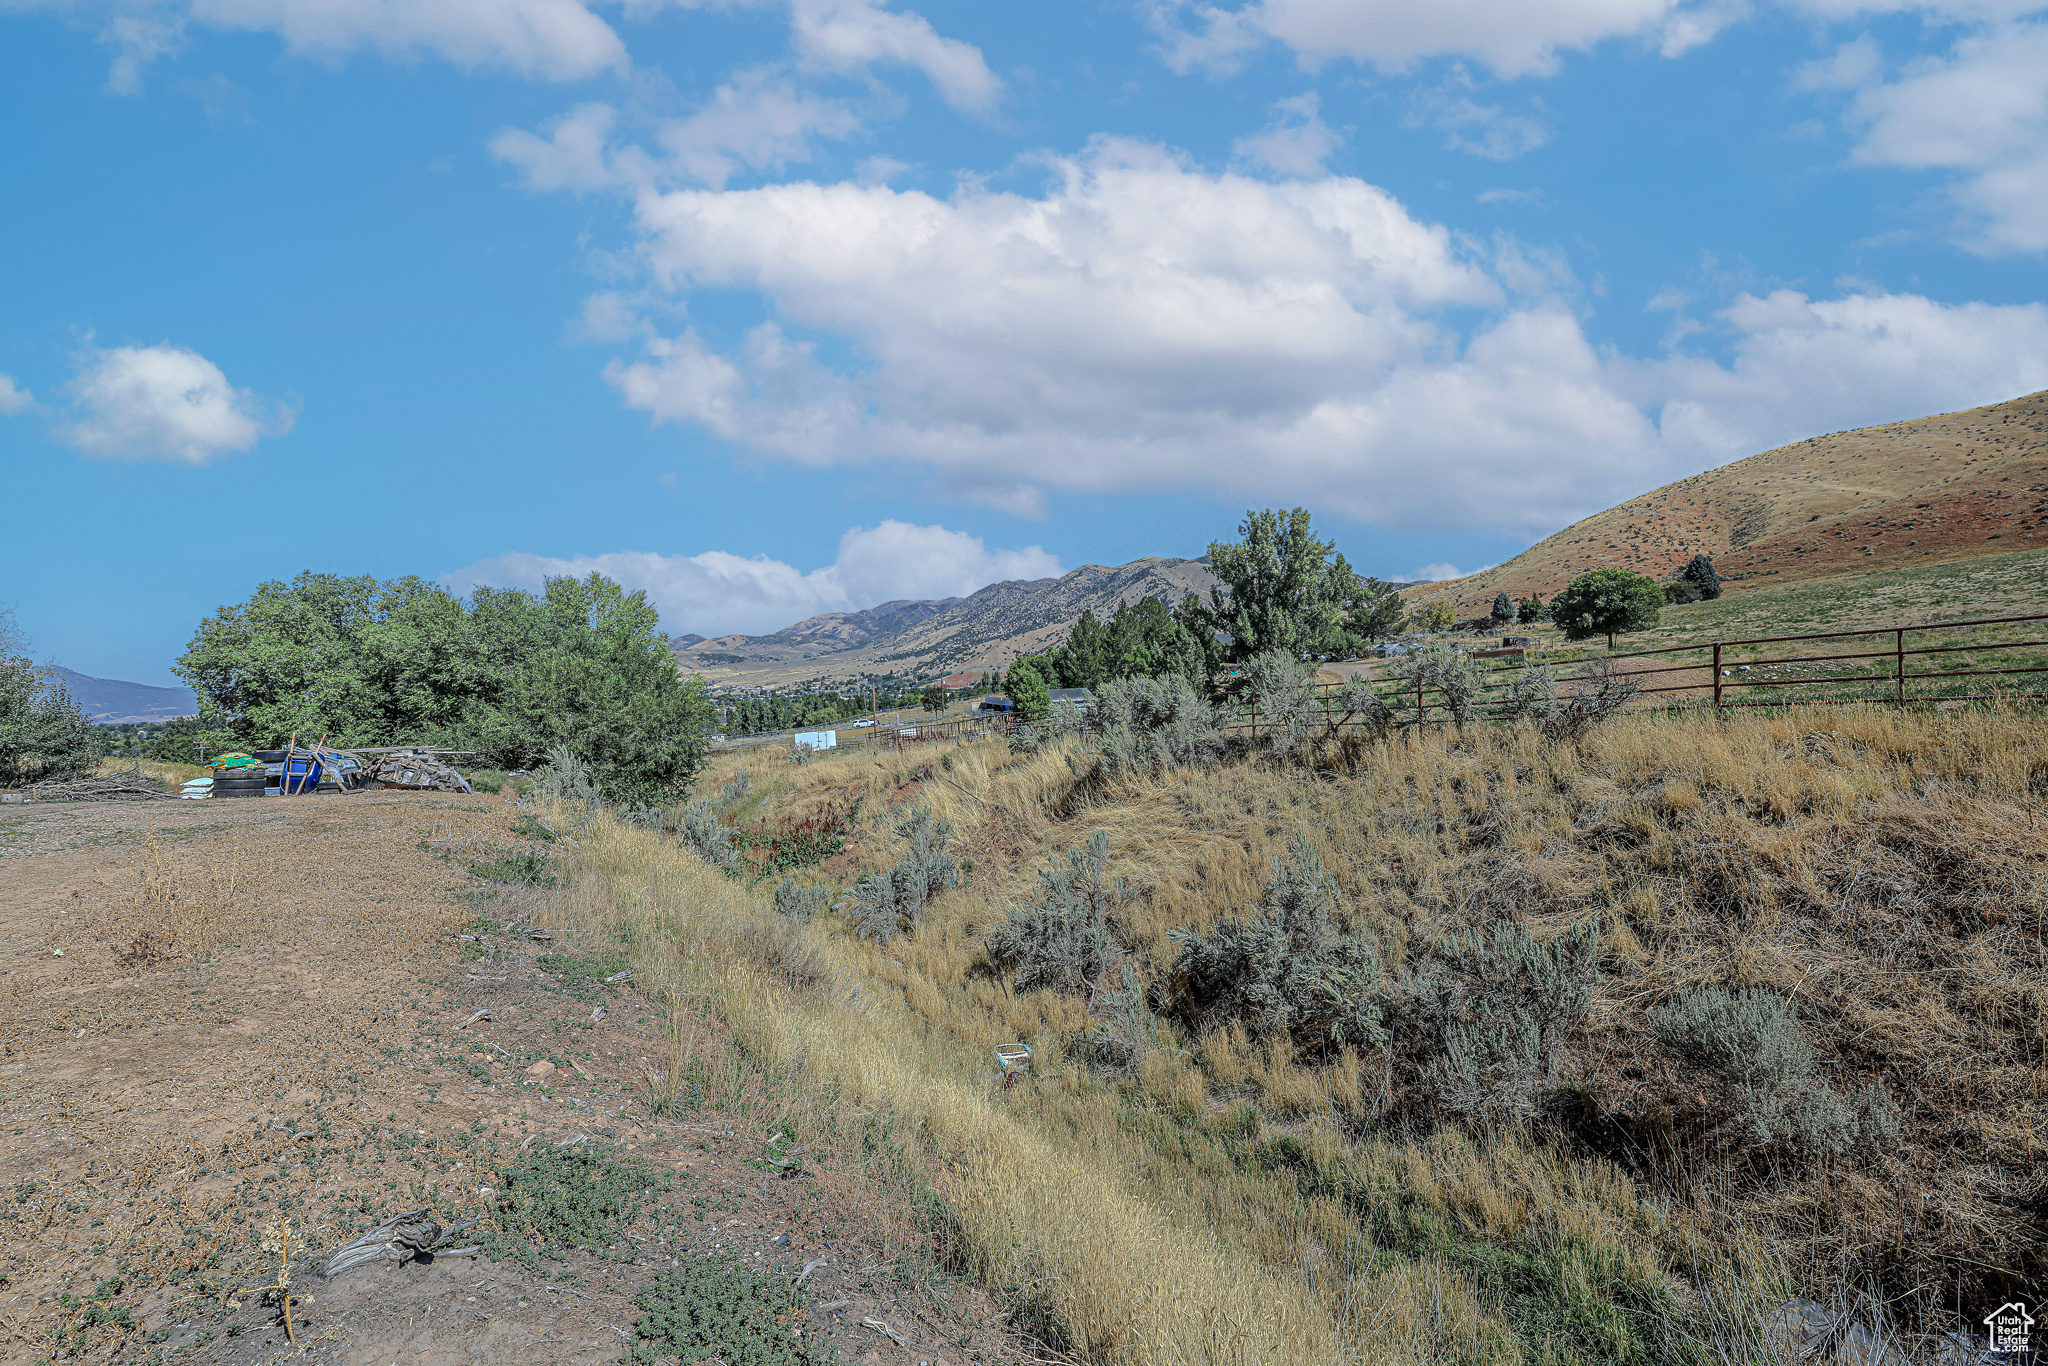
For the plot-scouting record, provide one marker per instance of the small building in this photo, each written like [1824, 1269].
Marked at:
[995, 702]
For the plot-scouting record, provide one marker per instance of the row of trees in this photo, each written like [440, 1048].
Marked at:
[44, 734]
[512, 675]
[766, 712]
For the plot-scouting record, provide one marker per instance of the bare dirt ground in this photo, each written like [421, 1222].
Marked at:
[231, 1022]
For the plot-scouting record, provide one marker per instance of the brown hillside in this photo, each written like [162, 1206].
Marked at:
[1935, 488]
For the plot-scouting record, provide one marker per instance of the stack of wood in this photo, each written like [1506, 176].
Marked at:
[129, 789]
[419, 770]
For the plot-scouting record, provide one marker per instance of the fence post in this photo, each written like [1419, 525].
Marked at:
[1899, 654]
[1421, 715]
[1255, 718]
[1717, 678]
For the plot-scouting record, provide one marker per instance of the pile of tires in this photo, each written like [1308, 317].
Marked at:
[239, 782]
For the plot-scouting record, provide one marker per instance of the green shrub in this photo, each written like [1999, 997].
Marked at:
[44, 735]
[560, 1198]
[708, 837]
[1503, 607]
[1763, 1068]
[883, 902]
[713, 1308]
[802, 903]
[1123, 1029]
[1286, 970]
[1154, 723]
[1699, 572]
[1449, 678]
[1531, 610]
[1061, 940]
[1507, 1005]
[1282, 688]
[491, 780]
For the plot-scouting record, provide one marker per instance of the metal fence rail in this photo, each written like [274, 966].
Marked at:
[1717, 670]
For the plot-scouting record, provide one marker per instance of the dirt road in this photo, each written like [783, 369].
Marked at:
[230, 1023]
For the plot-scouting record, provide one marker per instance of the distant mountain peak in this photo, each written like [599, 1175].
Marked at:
[985, 630]
[111, 702]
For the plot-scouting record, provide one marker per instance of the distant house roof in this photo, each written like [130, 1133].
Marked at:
[1080, 697]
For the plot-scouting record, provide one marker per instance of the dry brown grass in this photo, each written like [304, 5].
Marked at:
[1227, 1201]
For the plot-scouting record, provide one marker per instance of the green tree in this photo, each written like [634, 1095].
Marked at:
[512, 674]
[1699, 572]
[1372, 610]
[1284, 591]
[934, 698]
[1529, 610]
[1607, 602]
[1503, 607]
[1084, 661]
[1432, 616]
[44, 734]
[1028, 688]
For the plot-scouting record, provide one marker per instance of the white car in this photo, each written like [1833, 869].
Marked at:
[858, 724]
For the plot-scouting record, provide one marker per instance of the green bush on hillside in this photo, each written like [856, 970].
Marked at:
[1751, 1044]
[1287, 970]
[1061, 941]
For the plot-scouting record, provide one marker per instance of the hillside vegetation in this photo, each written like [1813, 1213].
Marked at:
[1596, 1050]
[1949, 487]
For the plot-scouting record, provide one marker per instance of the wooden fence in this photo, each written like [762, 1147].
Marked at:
[1717, 669]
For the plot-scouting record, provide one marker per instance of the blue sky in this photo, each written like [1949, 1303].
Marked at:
[773, 307]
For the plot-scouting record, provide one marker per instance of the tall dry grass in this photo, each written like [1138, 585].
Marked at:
[1228, 1201]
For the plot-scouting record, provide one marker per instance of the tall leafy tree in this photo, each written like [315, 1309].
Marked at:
[1372, 609]
[1028, 688]
[44, 734]
[1284, 592]
[512, 674]
[1084, 661]
[1607, 602]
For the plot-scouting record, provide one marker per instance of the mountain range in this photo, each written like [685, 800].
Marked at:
[111, 702]
[916, 641]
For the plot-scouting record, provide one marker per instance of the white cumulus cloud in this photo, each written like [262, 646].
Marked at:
[546, 39]
[13, 398]
[759, 120]
[1511, 37]
[1296, 142]
[163, 403]
[718, 593]
[1981, 113]
[1143, 324]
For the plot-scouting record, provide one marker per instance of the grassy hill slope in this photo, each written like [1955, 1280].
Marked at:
[1955, 486]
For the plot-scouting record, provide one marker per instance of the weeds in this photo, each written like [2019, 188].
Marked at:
[715, 1308]
[559, 1198]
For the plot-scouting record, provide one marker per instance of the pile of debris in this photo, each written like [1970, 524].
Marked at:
[128, 788]
[418, 769]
